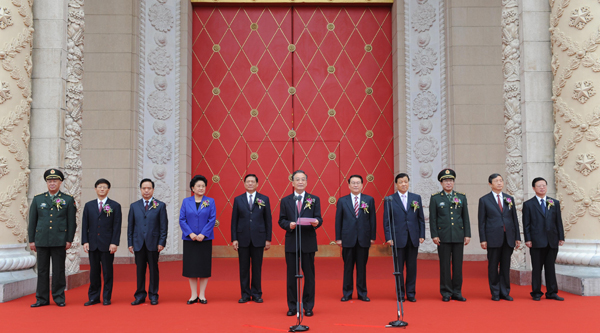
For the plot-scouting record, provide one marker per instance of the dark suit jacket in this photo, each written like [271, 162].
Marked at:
[412, 220]
[448, 221]
[149, 226]
[48, 225]
[349, 228]
[255, 225]
[197, 221]
[542, 230]
[287, 214]
[100, 229]
[492, 222]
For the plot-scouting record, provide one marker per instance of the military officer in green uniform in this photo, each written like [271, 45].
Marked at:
[450, 231]
[51, 230]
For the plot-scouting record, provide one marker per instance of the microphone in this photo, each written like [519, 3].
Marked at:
[388, 198]
[298, 198]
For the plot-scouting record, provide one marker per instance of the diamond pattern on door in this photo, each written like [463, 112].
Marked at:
[336, 123]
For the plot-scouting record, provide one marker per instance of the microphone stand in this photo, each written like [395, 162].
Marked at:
[299, 304]
[399, 322]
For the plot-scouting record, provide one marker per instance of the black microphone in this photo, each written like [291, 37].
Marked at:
[298, 198]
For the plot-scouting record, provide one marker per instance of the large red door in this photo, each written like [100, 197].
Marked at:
[283, 88]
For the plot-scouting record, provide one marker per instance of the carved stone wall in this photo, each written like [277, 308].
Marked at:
[159, 106]
[575, 39]
[16, 29]
[425, 98]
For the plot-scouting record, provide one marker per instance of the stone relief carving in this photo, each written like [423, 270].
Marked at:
[5, 18]
[580, 17]
[4, 92]
[583, 91]
[586, 163]
[425, 83]
[158, 123]
[512, 115]
[73, 119]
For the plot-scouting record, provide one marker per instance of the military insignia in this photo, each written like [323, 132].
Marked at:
[52, 171]
[442, 204]
[447, 172]
[43, 205]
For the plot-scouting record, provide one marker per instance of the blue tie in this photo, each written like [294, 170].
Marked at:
[543, 206]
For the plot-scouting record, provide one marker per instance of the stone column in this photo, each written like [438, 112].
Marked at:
[16, 263]
[575, 64]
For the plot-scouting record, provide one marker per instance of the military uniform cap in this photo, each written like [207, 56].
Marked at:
[446, 174]
[53, 174]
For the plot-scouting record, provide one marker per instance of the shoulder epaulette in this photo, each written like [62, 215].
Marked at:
[40, 194]
[461, 193]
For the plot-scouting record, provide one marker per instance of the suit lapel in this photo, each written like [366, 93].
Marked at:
[398, 201]
[493, 199]
[539, 207]
[350, 205]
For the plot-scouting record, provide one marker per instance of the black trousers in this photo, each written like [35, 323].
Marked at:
[355, 256]
[407, 256]
[451, 258]
[308, 270]
[100, 262]
[142, 258]
[58, 254]
[251, 256]
[543, 258]
[499, 269]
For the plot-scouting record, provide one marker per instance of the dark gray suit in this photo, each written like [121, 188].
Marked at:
[356, 233]
[500, 229]
[146, 229]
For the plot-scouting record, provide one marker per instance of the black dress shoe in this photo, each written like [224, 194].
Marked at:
[459, 298]
[536, 298]
[243, 300]
[192, 301]
[106, 302]
[38, 304]
[445, 298]
[345, 299]
[153, 301]
[308, 313]
[62, 305]
[138, 301]
[202, 301]
[555, 297]
[496, 298]
[88, 303]
[364, 299]
[257, 300]
[411, 299]
[291, 313]
[507, 298]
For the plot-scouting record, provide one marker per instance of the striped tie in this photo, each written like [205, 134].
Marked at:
[356, 205]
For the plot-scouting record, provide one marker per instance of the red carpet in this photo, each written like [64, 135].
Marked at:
[224, 314]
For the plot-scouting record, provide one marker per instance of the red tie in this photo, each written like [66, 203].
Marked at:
[500, 204]
[146, 206]
[356, 206]
[299, 204]
[100, 207]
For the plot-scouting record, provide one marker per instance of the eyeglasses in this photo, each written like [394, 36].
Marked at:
[102, 187]
[355, 183]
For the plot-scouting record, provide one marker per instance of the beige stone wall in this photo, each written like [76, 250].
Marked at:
[110, 115]
[476, 115]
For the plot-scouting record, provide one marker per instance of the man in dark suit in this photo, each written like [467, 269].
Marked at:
[544, 233]
[100, 235]
[355, 231]
[300, 204]
[499, 234]
[450, 231]
[251, 227]
[409, 229]
[51, 230]
[146, 236]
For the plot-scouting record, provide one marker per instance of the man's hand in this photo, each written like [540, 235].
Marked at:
[314, 223]
[112, 249]
[517, 244]
[390, 242]
[292, 225]
[467, 240]
[529, 244]
[235, 245]
[372, 241]
[421, 240]
[339, 242]
[484, 245]
[561, 243]
[68, 246]
[160, 248]
[131, 249]
[436, 240]
[267, 245]
[86, 247]
[200, 237]
[32, 247]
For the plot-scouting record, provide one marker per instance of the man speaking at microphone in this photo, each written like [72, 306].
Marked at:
[306, 205]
